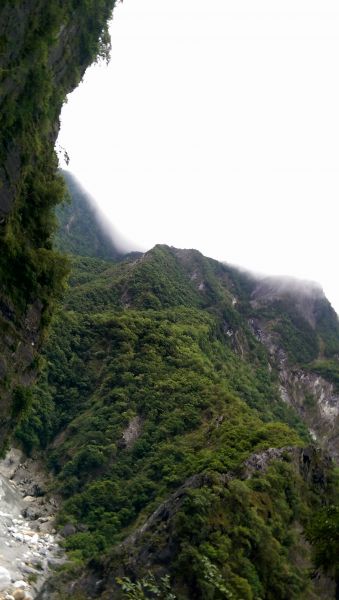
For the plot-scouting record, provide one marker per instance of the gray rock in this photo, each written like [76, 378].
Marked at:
[5, 578]
[31, 513]
[68, 530]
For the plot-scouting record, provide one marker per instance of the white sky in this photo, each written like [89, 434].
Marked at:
[216, 126]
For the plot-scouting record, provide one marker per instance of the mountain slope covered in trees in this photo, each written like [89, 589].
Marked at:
[179, 439]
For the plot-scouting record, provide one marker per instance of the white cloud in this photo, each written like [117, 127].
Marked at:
[216, 126]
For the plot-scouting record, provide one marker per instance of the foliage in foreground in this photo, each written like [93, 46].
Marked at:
[148, 585]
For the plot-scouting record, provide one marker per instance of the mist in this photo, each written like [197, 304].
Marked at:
[215, 127]
[75, 188]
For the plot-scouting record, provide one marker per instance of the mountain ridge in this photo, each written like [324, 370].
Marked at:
[159, 369]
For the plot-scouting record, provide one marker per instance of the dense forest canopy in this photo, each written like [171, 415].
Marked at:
[154, 376]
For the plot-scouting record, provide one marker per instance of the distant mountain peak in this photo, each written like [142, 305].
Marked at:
[83, 229]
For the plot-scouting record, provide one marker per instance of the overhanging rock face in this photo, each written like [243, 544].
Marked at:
[39, 40]
[45, 47]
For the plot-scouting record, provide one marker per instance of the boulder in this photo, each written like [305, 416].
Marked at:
[68, 530]
[5, 578]
[20, 584]
[31, 513]
[19, 595]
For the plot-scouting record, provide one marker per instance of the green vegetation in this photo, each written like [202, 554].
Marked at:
[170, 369]
[45, 47]
[329, 369]
[40, 63]
[235, 538]
[148, 587]
[328, 328]
[302, 341]
[296, 336]
[237, 541]
[298, 339]
[153, 388]
[150, 379]
[323, 532]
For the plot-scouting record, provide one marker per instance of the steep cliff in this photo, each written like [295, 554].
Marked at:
[300, 330]
[45, 47]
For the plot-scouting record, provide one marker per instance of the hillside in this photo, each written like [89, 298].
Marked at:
[81, 225]
[168, 379]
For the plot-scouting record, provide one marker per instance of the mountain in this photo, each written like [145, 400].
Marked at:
[177, 408]
[187, 411]
[80, 225]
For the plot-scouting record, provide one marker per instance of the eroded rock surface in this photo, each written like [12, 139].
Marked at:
[28, 542]
[314, 398]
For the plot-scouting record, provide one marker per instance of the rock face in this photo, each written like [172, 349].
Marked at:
[20, 336]
[132, 432]
[29, 545]
[21, 33]
[45, 47]
[314, 398]
[317, 403]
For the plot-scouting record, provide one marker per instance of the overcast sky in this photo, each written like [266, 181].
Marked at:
[216, 127]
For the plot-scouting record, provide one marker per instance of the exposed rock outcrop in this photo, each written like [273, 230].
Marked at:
[314, 398]
[132, 432]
